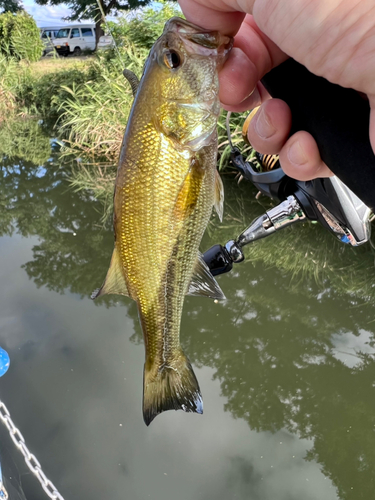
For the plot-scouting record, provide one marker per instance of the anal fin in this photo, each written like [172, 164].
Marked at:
[115, 280]
[202, 283]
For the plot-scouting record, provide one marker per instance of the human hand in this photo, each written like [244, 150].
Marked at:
[334, 39]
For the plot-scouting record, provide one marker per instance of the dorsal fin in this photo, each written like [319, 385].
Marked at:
[203, 284]
[114, 281]
[132, 79]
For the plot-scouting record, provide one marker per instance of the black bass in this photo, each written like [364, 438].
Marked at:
[166, 186]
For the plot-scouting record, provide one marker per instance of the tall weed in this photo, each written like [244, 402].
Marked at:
[99, 181]
[13, 39]
[44, 95]
[94, 116]
[144, 26]
[12, 78]
[25, 138]
[94, 121]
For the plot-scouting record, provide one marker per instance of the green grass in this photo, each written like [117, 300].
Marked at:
[54, 63]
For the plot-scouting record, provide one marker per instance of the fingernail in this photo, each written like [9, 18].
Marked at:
[296, 154]
[263, 126]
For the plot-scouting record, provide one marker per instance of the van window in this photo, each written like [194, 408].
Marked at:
[48, 34]
[75, 33]
[63, 33]
[86, 32]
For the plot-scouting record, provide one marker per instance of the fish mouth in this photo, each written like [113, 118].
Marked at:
[198, 40]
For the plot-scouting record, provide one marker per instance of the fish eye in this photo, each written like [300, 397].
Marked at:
[172, 59]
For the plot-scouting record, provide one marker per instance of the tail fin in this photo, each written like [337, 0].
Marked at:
[170, 387]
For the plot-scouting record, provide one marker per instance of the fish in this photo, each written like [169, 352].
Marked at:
[166, 186]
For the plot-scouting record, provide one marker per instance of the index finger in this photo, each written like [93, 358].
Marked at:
[224, 16]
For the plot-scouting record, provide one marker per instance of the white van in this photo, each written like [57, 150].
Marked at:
[74, 38]
[48, 35]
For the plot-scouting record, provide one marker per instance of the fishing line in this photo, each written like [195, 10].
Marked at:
[110, 31]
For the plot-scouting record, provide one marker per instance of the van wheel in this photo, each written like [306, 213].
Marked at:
[77, 51]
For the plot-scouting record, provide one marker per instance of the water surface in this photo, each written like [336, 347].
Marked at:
[286, 364]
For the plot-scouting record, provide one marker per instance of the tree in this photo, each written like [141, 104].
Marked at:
[10, 6]
[89, 9]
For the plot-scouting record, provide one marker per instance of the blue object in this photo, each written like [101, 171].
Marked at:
[4, 362]
[345, 239]
[3, 491]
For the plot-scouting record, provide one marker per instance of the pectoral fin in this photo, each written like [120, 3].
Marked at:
[188, 195]
[114, 281]
[203, 283]
[219, 196]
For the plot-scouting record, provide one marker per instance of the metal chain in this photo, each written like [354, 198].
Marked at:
[30, 459]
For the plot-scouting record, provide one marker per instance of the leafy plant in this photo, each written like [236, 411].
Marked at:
[12, 78]
[142, 28]
[44, 95]
[13, 28]
[25, 139]
[94, 115]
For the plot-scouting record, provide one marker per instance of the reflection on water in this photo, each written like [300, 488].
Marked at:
[286, 363]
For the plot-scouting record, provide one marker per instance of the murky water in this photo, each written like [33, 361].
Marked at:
[286, 365]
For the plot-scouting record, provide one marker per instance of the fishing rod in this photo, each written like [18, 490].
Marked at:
[338, 119]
